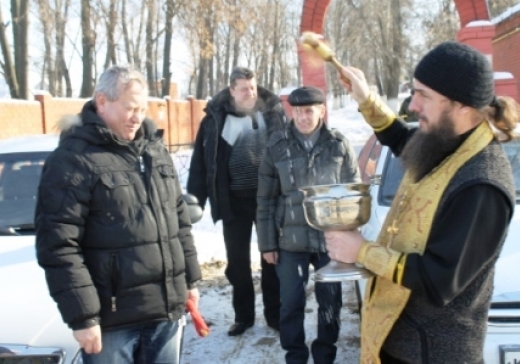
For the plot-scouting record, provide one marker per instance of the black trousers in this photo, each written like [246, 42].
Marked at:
[237, 237]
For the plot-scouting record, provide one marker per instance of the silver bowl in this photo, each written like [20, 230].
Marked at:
[337, 206]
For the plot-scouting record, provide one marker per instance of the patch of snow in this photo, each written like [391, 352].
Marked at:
[286, 90]
[502, 75]
[479, 23]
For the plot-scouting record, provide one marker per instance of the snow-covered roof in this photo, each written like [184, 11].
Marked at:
[479, 23]
[502, 75]
[506, 14]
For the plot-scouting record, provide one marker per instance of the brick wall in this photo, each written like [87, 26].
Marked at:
[506, 47]
[180, 119]
[20, 118]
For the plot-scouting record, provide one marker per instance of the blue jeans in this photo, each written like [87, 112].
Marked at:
[155, 343]
[293, 272]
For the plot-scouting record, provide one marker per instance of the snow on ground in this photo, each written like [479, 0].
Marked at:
[260, 344]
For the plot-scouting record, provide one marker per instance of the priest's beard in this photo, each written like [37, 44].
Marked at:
[427, 149]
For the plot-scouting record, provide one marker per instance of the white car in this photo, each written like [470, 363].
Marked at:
[31, 327]
[384, 172]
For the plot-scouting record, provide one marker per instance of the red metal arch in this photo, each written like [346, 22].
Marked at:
[313, 16]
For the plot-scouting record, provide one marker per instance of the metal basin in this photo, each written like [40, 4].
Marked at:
[337, 206]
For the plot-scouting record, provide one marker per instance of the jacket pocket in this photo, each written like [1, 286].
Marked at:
[328, 171]
[115, 197]
[166, 184]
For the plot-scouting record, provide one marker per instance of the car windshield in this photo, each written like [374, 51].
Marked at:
[394, 171]
[19, 178]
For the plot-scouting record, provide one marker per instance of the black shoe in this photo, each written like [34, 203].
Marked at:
[275, 325]
[238, 328]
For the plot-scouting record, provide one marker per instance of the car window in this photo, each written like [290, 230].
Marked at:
[373, 159]
[368, 158]
[19, 179]
[394, 171]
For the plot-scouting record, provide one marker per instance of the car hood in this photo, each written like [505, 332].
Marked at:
[28, 315]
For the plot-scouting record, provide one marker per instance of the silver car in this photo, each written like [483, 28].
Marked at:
[384, 172]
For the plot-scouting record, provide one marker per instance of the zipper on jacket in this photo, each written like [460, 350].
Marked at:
[215, 155]
[114, 279]
[141, 164]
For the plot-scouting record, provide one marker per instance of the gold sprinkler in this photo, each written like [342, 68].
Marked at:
[313, 42]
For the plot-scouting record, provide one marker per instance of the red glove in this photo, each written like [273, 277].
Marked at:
[200, 325]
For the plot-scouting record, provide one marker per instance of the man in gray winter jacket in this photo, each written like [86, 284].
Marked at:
[306, 153]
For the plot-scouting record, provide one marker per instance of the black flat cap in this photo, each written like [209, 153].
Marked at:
[306, 95]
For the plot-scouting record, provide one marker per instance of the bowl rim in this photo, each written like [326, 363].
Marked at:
[356, 188]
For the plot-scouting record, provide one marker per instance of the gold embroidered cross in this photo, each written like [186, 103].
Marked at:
[393, 229]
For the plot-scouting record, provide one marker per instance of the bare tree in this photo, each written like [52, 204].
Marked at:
[442, 23]
[110, 15]
[88, 42]
[496, 7]
[8, 69]
[150, 23]
[47, 21]
[172, 7]
[371, 36]
[126, 37]
[16, 69]
[20, 18]
[202, 17]
[62, 72]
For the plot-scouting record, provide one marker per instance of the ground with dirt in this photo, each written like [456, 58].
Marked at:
[260, 344]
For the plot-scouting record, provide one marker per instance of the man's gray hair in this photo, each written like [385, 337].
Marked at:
[240, 73]
[116, 79]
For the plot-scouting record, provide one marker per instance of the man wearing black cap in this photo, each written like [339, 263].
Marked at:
[434, 257]
[306, 153]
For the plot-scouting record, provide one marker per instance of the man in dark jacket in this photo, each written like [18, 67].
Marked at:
[435, 255]
[113, 233]
[307, 153]
[224, 168]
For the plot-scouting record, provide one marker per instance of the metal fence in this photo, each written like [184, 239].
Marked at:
[181, 155]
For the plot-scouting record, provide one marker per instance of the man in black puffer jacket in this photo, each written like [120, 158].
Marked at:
[224, 168]
[113, 232]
